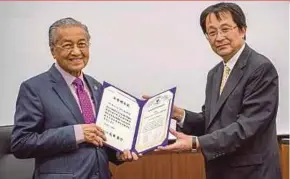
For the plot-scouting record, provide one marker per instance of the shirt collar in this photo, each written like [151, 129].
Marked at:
[231, 63]
[68, 77]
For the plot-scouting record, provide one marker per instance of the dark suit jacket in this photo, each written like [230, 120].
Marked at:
[45, 114]
[237, 129]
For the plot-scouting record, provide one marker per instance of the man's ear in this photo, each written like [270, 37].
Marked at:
[243, 31]
[52, 52]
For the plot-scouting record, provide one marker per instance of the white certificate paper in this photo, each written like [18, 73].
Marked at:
[134, 124]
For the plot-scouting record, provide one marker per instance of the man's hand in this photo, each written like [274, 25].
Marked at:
[183, 142]
[177, 112]
[126, 156]
[93, 134]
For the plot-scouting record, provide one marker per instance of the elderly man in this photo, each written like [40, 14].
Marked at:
[56, 111]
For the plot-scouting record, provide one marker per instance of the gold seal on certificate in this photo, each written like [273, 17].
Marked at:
[134, 124]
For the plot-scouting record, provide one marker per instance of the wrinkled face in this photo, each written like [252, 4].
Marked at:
[223, 35]
[71, 49]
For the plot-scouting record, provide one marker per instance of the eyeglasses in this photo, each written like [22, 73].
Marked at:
[224, 31]
[69, 46]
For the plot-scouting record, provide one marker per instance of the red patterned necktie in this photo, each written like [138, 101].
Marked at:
[84, 100]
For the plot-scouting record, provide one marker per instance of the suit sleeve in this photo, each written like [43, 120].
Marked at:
[28, 140]
[258, 111]
[194, 123]
[112, 155]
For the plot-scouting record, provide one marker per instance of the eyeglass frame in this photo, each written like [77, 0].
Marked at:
[73, 45]
[220, 31]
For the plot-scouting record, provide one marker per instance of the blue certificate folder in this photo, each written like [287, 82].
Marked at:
[134, 124]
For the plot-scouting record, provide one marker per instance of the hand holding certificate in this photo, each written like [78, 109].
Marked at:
[134, 124]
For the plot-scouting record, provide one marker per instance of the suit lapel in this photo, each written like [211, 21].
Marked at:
[233, 80]
[217, 76]
[62, 90]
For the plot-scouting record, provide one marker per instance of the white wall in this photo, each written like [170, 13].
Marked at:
[142, 47]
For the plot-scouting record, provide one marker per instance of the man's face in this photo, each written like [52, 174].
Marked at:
[223, 35]
[71, 49]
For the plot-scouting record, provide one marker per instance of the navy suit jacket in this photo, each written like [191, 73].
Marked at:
[237, 129]
[46, 111]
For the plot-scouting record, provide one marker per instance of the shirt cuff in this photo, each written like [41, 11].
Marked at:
[79, 134]
[181, 122]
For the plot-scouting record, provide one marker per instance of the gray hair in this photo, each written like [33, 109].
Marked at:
[62, 23]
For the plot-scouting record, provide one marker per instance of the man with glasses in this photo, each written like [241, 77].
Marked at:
[56, 111]
[236, 130]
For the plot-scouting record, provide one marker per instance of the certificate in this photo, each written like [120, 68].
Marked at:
[130, 123]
